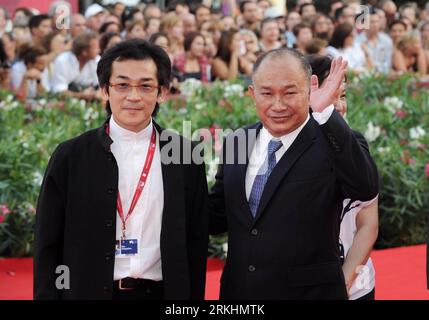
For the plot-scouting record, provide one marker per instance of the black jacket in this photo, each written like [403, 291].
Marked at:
[76, 221]
[290, 250]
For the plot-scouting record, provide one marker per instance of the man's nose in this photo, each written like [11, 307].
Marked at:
[134, 94]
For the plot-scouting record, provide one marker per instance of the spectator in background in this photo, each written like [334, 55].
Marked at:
[303, 35]
[228, 23]
[108, 40]
[319, 26]
[390, 9]
[136, 30]
[292, 19]
[29, 75]
[317, 46]
[228, 63]
[202, 14]
[152, 11]
[249, 13]
[409, 56]
[95, 16]
[40, 26]
[172, 25]
[75, 71]
[189, 23]
[397, 29]
[409, 11]
[152, 26]
[343, 44]
[307, 10]
[193, 63]
[345, 14]
[9, 45]
[378, 45]
[78, 25]
[269, 35]
[109, 27]
[54, 43]
[252, 50]
[118, 9]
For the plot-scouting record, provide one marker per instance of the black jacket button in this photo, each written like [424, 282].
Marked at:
[254, 232]
[252, 268]
[109, 223]
[108, 257]
[111, 190]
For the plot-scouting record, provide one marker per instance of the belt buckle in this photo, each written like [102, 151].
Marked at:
[123, 288]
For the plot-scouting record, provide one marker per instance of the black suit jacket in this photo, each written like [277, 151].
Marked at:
[76, 221]
[290, 249]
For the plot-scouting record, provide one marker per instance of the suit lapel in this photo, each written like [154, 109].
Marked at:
[303, 141]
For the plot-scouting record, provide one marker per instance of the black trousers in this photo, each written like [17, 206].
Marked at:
[150, 290]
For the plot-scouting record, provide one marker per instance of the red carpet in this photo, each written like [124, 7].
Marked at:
[401, 275]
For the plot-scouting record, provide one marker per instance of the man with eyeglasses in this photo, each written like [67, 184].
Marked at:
[120, 211]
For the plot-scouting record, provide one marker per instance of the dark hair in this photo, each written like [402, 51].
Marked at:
[299, 27]
[189, 38]
[201, 6]
[35, 21]
[47, 40]
[284, 52]
[82, 41]
[134, 49]
[3, 54]
[105, 25]
[28, 53]
[104, 40]
[397, 21]
[321, 66]
[224, 50]
[243, 4]
[341, 32]
[157, 35]
[301, 8]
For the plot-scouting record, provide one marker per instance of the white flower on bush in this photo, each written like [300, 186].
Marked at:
[393, 103]
[372, 132]
[9, 98]
[200, 106]
[417, 133]
[225, 248]
[212, 169]
[82, 103]
[25, 145]
[233, 89]
[90, 114]
[37, 178]
[189, 86]
[383, 149]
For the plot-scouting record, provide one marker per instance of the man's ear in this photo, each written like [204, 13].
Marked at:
[104, 93]
[251, 91]
[162, 95]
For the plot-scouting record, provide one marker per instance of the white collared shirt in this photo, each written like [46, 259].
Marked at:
[259, 152]
[144, 224]
[67, 70]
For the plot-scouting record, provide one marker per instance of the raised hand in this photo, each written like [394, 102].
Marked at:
[327, 94]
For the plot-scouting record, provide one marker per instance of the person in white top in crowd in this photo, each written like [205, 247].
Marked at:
[378, 44]
[95, 16]
[75, 71]
[29, 75]
[359, 219]
[343, 44]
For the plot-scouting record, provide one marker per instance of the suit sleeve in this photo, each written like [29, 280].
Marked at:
[49, 229]
[356, 170]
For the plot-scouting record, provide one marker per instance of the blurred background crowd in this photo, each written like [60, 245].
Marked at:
[206, 40]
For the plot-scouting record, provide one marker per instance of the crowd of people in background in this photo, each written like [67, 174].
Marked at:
[208, 41]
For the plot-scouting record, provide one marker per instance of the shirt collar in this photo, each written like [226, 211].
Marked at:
[117, 133]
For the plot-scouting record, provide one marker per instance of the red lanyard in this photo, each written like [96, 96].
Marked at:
[141, 184]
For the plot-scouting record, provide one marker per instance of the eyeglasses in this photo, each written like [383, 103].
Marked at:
[125, 88]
